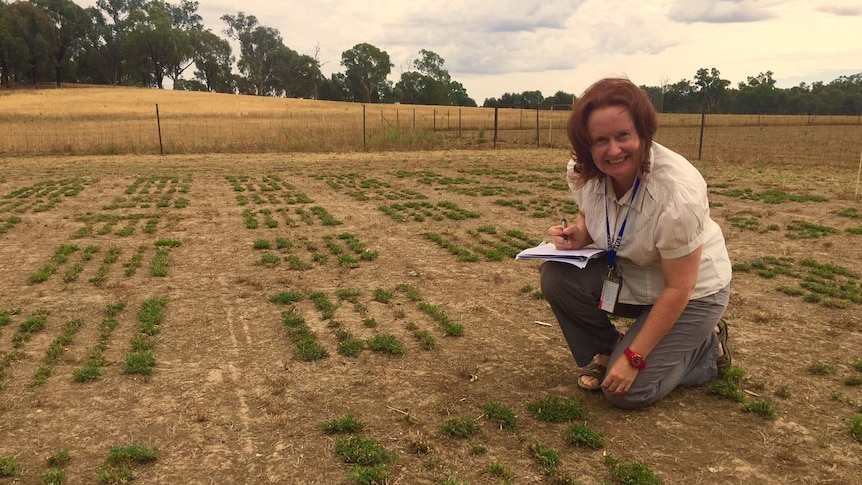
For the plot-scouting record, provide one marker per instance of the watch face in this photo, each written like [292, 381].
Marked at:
[637, 361]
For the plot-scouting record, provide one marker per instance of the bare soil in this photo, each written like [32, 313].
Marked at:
[230, 402]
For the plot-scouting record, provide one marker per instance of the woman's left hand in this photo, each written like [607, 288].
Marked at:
[619, 377]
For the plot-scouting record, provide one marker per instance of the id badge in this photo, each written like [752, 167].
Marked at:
[610, 291]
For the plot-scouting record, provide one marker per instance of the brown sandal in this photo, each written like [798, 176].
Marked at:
[594, 370]
[723, 362]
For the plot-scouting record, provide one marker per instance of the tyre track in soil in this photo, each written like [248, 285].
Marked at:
[215, 339]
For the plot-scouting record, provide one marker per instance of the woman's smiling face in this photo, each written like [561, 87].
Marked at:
[616, 146]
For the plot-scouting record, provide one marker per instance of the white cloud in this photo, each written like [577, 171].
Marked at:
[720, 11]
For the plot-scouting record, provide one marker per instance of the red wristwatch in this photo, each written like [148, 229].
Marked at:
[636, 360]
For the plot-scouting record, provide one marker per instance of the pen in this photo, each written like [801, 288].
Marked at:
[565, 224]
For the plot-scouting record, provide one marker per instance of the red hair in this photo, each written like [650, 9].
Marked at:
[609, 92]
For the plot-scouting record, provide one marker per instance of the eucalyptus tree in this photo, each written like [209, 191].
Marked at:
[103, 59]
[366, 69]
[431, 83]
[187, 28]
[26, 49]
[154, 42]
[258, 49]
[295, 75]
[71, 24]
[213, 62]
[709, 87]
[11, 47]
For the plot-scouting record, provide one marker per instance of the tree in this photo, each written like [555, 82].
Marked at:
[113, 22]
[12, 48]
[366, 69]
[71, 25]
[559, 100]
[258, 47]
[28, 54]
[156, 43]
[334, 88]
[295, 75]
[187, 29]
[680, 98]
[213, 61]
[709, 86]
[430, 83]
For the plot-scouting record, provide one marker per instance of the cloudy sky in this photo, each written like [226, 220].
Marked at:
[499, 46]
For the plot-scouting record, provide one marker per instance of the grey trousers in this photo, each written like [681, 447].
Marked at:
[685, 356]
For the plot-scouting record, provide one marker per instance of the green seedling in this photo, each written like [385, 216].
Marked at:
[548, 458]
[386, 344]
[582, 436]
[363, 451]
[624, 472]
[554, 409]
[856, 427]
[460, 427]
[496, 411]
[345, 424]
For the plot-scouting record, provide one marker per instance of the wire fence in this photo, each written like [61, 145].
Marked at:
[834, 141]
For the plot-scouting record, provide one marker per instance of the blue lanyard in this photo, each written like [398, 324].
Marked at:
[614, 245]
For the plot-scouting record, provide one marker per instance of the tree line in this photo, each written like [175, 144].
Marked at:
[144, 42]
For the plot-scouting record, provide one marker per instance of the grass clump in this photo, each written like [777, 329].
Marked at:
[729, 388]
[856, 427]
[9, 467]
[151, 315]
[349, 346]
[139, 363]
[134, 454]
[554, 409]
[763, 408]
[363, 451]
[498, 470]
[581, 435]
[435, 312]
[286, 298]
[345, 424]
[425, 339]
[460, 427]
[548, 458]
[117, 468]
[631, 473]
[502, 414]
[386, 343]
[303, 337]
[324, 304]
[383, 296]
[56, 473]
[821, 368]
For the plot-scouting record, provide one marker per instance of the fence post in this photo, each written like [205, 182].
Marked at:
[700, 143]
[364, 145]
[159, 124]
[537, 127]
[459, 122]
[434, 126]
[496, 121]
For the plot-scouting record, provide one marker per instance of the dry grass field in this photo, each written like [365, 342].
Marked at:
[212, 318]
[113, 120]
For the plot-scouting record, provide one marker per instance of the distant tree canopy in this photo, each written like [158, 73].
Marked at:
[142, 42]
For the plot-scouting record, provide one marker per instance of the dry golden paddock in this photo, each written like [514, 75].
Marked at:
[230, 400]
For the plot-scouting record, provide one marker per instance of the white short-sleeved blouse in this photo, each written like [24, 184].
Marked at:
[669, 218]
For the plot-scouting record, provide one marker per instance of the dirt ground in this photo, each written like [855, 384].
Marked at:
[228, 400]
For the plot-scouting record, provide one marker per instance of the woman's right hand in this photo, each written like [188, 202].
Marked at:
[561, 236]
[576, 236]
